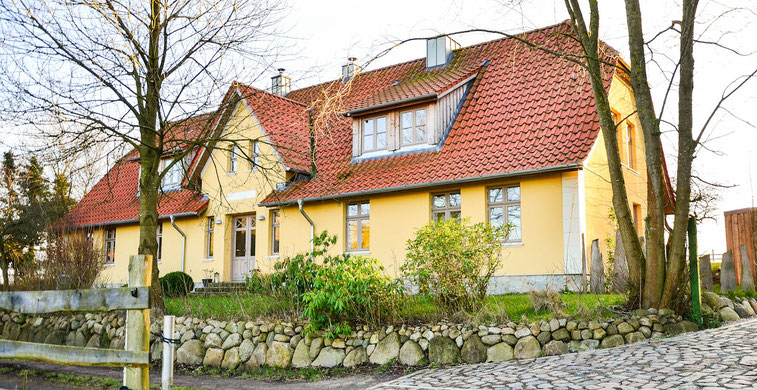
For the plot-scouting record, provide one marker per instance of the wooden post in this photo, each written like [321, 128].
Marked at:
[138, 324]
[583, 264]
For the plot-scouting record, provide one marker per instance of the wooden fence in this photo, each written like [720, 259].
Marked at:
[135, 299]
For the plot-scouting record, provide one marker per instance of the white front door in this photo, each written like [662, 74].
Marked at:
[243, 256]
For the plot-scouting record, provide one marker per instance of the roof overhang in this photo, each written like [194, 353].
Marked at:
[493, 176]
[400, 102]
[136, 220]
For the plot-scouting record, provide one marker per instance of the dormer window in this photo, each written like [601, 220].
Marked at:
[172, 178]
[413, 127]
[374, 134]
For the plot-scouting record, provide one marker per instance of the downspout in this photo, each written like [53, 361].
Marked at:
[310, 221]
[183, 242]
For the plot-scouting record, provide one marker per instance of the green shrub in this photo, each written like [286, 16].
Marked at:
[345, 289]
[176, 284]
[294, 276]
[259, 283]
[452, 261]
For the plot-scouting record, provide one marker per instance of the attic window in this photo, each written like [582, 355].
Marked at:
[374, 134]
[171, 178]
[413, 127]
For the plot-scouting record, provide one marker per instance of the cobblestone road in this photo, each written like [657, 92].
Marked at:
[723, 358]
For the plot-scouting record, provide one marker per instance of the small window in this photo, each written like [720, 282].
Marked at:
[173, 176]
[209, 230]
[254, 154]
[275, 232]
[445, 206]
[413, 127]
[358, 226]
[504, 208]
[631, 145]
[374, 134]
[233, 157]
[620, 134]
[110, 246]
[159, 237]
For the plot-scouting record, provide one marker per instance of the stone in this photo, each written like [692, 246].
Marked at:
[499, 353]
[190, 353]
[740, 311]
[329, 357]
[278, 355]
[233, 340]
[625, 328]
[705, 273]
[554, 325]
[561, 335]
[411, 354]
[747, 280]
[245, 350]
[748, 307]
[213, 340]
[635, 337]
[612, 341]
[728, 301]
[491, 339]
[355, 358]
[473, 351]
[527, 347]
[315, 347]
[522, 332]
[555, 347]
[510, 339]
[727, 314]
[587, 345]
[301, 356]
[644, 330]
[338, 343]
[231, 359]
[620, 266]
[727, 273]
[213, 357]
[599, 334]
[258, 356]
[443, 350]
[597, 280]
[386, 350]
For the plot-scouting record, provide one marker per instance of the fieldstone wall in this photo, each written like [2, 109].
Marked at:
[248, 344]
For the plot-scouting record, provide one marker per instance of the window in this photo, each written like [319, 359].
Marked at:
[171, 178]
[233, 155]
[210, 229]
[413, 127]
[637, 218]
[374, 134]
[254, 154]
[504, 208]
[619, 134]
[159, 237]
[631, 145]
[445, 207]
[110, 246]
[358, 226]
[275, 231]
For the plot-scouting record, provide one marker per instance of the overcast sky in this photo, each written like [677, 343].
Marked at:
[327, 32]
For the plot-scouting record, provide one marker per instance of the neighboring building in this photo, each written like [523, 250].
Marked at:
[496, 132]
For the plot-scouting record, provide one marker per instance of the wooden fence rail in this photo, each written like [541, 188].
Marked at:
[135, 299]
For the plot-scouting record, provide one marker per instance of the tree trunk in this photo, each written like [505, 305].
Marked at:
[686, 144]
[655, 221]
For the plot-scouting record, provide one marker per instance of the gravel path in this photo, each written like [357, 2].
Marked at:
[723, 358]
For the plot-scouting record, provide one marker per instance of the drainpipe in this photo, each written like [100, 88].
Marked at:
[310, 221]
[183, 243]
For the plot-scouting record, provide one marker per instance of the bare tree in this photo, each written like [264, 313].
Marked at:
[127, 70]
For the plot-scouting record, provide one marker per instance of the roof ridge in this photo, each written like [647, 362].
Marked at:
[237, 83]
[566, 21]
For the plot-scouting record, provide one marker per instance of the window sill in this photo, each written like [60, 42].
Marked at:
[207, 260]
[358, 252]
[273, 257]
[512, 244]
[109, 264]
[635, 172]
[231, 173]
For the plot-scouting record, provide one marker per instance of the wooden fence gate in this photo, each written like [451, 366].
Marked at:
[135, 299]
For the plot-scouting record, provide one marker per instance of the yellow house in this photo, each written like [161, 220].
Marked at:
[495, 132]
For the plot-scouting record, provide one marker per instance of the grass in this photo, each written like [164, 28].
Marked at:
[413, 309]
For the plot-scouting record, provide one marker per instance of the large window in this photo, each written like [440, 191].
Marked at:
[413, 127]
[159, 237]
[110, 246]
[275, 231]
[445, 206]
[358, 226]
[504, 208]
[210, 229]
[233, 158]
[374, 134]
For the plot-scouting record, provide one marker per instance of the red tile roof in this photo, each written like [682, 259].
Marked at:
[527, 111]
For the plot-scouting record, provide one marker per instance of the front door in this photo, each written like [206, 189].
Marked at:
[243, 258]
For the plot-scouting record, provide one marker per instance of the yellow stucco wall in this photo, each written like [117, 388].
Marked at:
[597, 176]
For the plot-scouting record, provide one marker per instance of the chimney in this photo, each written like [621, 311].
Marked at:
[350, 69]
[438, 50]
[281, 84]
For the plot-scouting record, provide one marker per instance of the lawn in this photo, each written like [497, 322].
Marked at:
[414, 309]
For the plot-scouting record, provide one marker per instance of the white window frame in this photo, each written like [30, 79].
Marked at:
[275, 232]
[504, 205]
[360, 218]
[233, 159]
[209, 236]
[110, 246]
[173, 177]
[630, 144]
[413, 128]
[159, 238]
[254, 154]
[374, 135]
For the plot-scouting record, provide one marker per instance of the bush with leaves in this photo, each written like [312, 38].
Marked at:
[345, 288]
[294, 276]
[452, 261]
[177, 284]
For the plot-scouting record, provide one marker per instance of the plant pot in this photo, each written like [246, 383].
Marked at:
[206, 282]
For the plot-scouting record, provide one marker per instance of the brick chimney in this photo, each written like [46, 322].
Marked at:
[281, 84]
